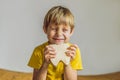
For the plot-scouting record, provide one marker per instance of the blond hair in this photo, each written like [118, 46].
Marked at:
[59, 15]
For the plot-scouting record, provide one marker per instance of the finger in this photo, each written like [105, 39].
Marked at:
[71, 54]
[48, 56]
[52, 56]
[72, 51]
[67, 53]
[50, 52]
[73, 47]
[49, 48]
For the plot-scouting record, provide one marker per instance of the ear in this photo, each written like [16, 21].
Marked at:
[44, 29]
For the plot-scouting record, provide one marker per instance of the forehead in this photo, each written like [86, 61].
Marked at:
[64, 20]
[59, 25]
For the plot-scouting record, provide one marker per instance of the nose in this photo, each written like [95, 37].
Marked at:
[59, 32]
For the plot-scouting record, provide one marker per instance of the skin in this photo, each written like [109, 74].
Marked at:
[57, 34]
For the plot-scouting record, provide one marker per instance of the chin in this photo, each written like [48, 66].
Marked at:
[59, 43]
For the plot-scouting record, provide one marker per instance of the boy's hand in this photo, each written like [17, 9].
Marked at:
[49, 53]
[71, 51]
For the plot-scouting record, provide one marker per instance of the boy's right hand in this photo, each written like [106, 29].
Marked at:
[49, 52]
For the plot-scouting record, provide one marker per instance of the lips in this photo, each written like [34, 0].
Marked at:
[58, 38]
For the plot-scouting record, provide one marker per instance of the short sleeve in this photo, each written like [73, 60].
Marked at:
[76, 63]
[36, 58]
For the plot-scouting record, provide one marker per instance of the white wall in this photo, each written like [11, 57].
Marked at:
[97, 32]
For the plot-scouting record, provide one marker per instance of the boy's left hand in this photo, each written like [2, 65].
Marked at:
[71, 51]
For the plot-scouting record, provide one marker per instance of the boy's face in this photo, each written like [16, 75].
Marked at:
[58, 34]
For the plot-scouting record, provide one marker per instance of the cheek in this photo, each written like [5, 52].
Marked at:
[51, 33]
[67, 35]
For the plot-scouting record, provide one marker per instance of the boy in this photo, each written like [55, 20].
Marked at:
[58, 26]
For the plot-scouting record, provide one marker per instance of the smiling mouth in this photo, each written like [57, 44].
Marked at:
[58, 39]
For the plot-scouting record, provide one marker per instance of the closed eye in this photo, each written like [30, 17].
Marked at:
[65, 30]
[53, 28]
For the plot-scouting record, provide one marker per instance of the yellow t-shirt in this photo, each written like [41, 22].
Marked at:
[54, 72]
